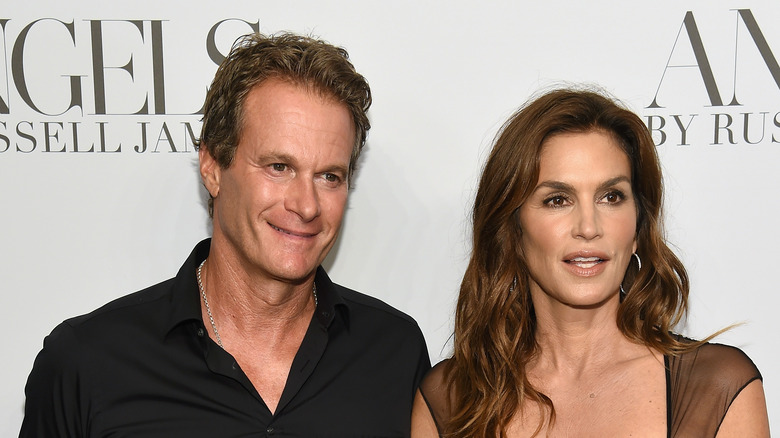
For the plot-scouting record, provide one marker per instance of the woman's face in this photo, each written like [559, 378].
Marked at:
[579, 224]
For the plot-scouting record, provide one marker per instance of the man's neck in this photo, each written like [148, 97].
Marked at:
[251, 302]
[261, 322]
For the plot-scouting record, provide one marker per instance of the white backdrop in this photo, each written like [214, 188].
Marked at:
[94, 215]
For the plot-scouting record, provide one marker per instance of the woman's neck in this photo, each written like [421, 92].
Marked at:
[573, 339]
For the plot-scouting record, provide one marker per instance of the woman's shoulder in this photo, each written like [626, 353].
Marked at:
[702, 383]
[435, 390]
[434, 379]
[716, 362]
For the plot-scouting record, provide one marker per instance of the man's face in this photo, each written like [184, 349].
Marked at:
[278, 207]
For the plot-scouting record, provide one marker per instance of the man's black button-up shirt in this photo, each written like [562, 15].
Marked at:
[144, 366]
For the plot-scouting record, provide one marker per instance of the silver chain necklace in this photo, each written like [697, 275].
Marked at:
[208, 309]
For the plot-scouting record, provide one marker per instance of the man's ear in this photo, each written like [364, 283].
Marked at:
[210, 172]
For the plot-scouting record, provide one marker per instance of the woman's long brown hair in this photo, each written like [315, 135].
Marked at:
[495, 321]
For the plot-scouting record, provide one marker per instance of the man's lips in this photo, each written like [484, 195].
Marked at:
[292, 233]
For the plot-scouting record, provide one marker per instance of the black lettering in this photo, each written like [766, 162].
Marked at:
[763, 49]
[17, 69]
[4, 102]
[659, 129]
[74, 126]
[165, 132]
[25, 135]
[211, 44]
[683, 129]
[142, 148]
[702, 62]
[102, 128]
[4, 138]
[776, 121]
[725, 127]
[48, 135]
[158, 76]
[745, 128]
[99, 67]
[189, 136]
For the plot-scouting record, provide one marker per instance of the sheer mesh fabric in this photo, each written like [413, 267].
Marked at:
[700, 386]
[437, 395]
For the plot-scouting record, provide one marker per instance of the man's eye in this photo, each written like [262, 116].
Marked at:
[330, 177]
[278, 167]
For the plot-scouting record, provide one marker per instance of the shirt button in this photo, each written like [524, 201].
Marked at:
[235, 367]
[269, 431]
[201, 332]
[325, 314]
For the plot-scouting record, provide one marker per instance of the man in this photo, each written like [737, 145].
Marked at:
[251, 338]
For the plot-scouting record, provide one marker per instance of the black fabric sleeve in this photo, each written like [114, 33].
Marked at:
[423, 363]
[703, 384]
[54, 391]
[436, 394]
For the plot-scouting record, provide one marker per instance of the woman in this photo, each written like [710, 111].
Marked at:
[563, 322]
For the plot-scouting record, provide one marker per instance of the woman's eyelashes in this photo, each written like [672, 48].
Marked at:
[612, 197]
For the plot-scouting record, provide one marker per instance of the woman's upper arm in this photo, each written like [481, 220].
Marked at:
[747, 416]
[423, 425]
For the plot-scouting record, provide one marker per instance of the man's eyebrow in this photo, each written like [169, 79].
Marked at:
[276, 156]
[336, 168]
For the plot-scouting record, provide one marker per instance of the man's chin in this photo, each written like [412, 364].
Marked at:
[296, 274]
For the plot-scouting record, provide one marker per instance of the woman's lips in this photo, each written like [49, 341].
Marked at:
[586, 265]
[585, 262]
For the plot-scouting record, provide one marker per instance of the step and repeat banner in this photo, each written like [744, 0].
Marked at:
[100, 104]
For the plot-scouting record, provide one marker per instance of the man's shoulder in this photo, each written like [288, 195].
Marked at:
[361, 304]
[128, 306]
[84, 342]
[380, 337]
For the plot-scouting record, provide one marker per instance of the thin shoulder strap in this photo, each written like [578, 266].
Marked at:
[668, 397]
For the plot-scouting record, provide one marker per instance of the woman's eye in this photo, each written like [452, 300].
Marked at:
[555, 201]
[613, 197]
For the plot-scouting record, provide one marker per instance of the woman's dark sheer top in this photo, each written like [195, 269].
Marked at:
[700, 386]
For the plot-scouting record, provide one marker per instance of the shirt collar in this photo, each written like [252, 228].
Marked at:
[185, 294]
[329, 301]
